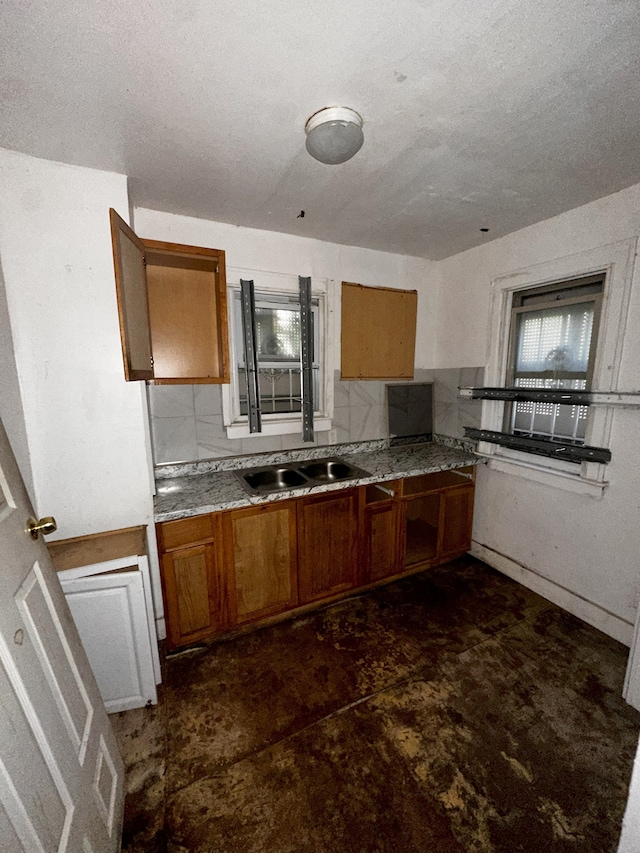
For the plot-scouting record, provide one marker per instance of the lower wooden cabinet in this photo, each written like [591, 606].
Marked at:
[193, 581]
[421, 517]
[328, 545]
[381, 544]
[457, 522]
[260, 547]
[223, 570]
[437, 516]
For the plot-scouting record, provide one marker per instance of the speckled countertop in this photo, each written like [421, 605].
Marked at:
[195, 493]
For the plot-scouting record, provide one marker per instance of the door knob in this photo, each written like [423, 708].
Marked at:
[44, 526]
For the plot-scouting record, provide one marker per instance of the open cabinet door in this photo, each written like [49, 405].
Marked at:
[133, 304]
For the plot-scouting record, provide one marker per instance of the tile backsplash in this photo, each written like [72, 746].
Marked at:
[451, 414]
[186, 420]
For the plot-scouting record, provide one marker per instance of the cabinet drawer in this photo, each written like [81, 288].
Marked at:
[186, 531]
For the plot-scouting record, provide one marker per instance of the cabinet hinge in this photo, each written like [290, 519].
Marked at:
[151, 360]
[144, 260]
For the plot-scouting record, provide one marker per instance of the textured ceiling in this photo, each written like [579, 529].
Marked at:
[477, 113]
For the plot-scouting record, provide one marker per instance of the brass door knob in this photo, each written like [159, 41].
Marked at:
[44, 526]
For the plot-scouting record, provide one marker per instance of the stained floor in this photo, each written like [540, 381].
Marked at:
[451, 712]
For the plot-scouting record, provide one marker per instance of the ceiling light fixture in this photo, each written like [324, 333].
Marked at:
[334, 134]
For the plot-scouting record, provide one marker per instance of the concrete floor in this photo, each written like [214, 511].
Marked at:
[451, 711]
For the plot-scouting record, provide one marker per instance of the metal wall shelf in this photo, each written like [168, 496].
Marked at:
[564, 397]
[541, 446]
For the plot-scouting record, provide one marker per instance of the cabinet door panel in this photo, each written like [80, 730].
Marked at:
[328, 545]
[190, 571]
[381, 541]
[194, 594]
[457, 521]
[378, 332]
[131, 291]
[261, 555]
[110, 612]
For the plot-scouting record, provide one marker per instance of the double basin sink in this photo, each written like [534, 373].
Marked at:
[281, 478]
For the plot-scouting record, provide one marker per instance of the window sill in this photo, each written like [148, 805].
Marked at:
[567, 475]
[276, 427]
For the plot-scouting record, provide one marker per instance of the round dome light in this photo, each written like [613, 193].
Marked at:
[334, 135]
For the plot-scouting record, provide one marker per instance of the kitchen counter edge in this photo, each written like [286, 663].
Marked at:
[191, 495]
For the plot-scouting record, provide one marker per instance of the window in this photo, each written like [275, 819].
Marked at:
[277, 325]
[553, 334]
[612, 266]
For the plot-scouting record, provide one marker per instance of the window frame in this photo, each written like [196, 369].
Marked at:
[278, 285]
[518, 308]
[613, 261]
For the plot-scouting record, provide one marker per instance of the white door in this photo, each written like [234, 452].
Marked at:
[61, 776]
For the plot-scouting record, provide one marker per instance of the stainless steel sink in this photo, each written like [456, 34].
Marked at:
[330, 471]
[281, 478]
[276, 479]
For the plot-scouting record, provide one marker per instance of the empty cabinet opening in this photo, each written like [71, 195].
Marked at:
[422, 517]
[184, 311]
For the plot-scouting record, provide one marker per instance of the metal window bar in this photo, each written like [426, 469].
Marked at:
[287, 399]
[250, 354]
[541, 446]
[565, 396]
[541, 399]
[306, 357]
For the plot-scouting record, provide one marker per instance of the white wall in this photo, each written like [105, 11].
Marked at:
[85, 425]
[11, 412]
[251, 249]
[580, 551]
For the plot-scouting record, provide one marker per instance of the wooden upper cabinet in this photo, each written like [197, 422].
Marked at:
[172, 305]
[378, 336]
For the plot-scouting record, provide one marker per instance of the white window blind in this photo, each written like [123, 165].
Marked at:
[552, 347]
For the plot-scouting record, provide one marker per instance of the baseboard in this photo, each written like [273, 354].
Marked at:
[592, 614]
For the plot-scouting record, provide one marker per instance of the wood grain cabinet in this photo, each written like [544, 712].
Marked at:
[457, 522]
[194, 584]
[328, 545]
[437, 515]
[378, 337]
[260, 545]
[172, 308]
[381, 546]
[226, 570]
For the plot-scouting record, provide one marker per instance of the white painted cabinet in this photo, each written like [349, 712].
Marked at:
[115, 624]
[106, 581]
